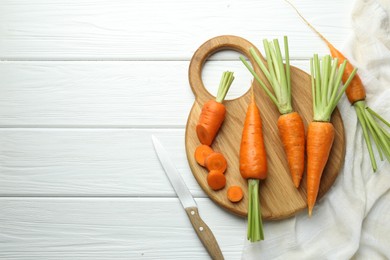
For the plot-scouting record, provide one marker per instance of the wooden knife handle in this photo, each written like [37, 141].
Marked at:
[204, 233]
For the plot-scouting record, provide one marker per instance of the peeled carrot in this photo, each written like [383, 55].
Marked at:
[326, 92]
[213, 112]
[320, 136]
[235, 194]
[216, 180]
[253, 167]
[290, 123]
[356, 94]
[292, 133]
[216, 162]
[253, 158]
[201, 153]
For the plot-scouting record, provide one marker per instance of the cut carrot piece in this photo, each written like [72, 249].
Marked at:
[216, 162]
[201, 153]
[235, 193]
[213, 112]
[216, 180]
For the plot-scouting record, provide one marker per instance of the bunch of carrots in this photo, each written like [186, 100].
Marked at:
[370, 121]
[327, 90]
[290, 123]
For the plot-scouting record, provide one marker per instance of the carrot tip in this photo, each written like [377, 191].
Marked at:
[310, 211]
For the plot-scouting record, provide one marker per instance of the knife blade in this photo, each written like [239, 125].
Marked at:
[202, 230]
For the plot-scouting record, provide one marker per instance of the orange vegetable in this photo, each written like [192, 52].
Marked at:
[201, 153]
[320, 136]
[213, 112]
[253, 158]
[368, 119]
[210, 120]
[355, 91]
[216, 162]
[235, 193]
[253, 166]
[290, 123]
[292, 133]
[216, 180]
[326, 92]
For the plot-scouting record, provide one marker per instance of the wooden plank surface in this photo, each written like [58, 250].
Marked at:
[107, 94]
[153, 29]
[89, 162]
[84, 83]
[111, 228]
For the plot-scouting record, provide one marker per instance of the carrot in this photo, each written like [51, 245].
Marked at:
[213, 112]
[320, 136]
[292, 133]
[325, 78]
[356, 94]
[201, 153]
[235, 194]
[216, 180]
[216, 162]
[253, 167]
[290, 123]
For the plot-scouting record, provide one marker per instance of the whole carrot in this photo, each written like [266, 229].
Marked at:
[290, 123]
[213, 112]
[253, 167]
[356, 95]
[326, 78]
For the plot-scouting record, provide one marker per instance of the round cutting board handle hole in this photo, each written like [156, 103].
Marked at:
[216, 64]
[216, 44]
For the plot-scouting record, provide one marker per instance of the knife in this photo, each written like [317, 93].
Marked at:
[202, 230]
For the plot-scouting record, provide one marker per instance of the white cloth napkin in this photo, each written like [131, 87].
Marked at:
[352, 221]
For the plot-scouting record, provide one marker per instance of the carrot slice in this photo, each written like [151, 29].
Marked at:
[216, 162]
[201, 153]
[216, 180]
[235, 193]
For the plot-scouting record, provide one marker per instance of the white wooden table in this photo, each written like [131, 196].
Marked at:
[84, 85]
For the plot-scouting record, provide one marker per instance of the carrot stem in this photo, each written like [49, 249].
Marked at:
[288, 75]
[276, 73]
[359, 108]
[327, 92]
[224, 85]
[267, 91]
[255, 223]
[378, 116]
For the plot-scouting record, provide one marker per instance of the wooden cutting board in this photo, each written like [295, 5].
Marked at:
[278, 196]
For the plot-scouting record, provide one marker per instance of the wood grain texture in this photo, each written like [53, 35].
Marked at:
[142, 94]
[90, 162]
[204, 233]
[156, 30]
[279, 198]
[111, 228]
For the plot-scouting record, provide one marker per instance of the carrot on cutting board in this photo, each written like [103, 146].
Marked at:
[216, 180]
[325, 78]
[356, 94]
[235, 194]
[216, 162]
[290, 123]
[253, 167]
[213, 112]
[201, 153]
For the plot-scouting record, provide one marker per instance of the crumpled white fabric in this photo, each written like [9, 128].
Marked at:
[353, 220]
